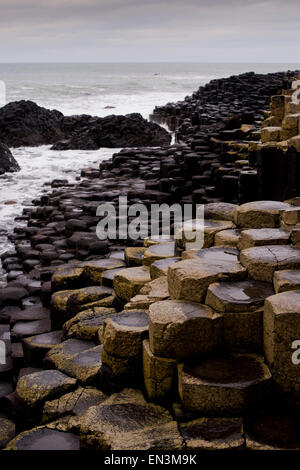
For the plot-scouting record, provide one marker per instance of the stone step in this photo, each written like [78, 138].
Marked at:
[223, 385]
[180, 329]
[262, 261]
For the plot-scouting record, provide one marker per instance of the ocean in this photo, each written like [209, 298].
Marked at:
[96, 89]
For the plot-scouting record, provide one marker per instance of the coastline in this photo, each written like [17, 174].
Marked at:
[58, 253]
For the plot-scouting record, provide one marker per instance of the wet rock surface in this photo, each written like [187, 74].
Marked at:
[7, 161]
[24, 123]
[83, 319]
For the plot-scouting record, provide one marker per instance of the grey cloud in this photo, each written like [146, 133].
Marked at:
[117, 30]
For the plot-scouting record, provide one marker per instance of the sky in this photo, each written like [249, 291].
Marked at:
[149, 30]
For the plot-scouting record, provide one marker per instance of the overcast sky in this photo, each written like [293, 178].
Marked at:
[149, 30]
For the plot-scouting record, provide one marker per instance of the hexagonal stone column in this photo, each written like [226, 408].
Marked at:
[260, 214]
[159, 373]
[123, 334]
[158, 252]
[36, 347]
[160, 267]
[188, 233]
[241, 304]
[182, 329]
[223, 385]
[134, 255]
[189, 279]
[34, 389]
[228, 238]
[281, 329]
[286, 280]
[213, 433]
[88, 324]
[93, 270]
[262, 262]
[128, 282]
[263, 236]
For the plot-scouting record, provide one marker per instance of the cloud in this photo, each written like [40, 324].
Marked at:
[174, 30]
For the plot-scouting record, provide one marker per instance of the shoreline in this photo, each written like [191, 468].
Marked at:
[102, 296]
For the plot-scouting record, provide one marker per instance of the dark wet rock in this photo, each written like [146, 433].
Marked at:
[7, 161]
[24, 123]
[12, 296]
[276, 429]
[43, 438]
[114, 131]
[36, 347]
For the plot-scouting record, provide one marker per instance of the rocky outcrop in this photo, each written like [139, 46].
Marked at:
[7, 161]
[113, 132]
[24, 123]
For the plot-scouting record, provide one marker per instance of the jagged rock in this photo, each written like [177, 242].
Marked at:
[126, 421]
[223, 385]
[113, 131]
[260, 214]
[123, 334]
[262, 262]
[286, 280]
[88, 324]
[281, 329]
[36, 347]
[7, 431]
[24, 123]
[159, 373]
[128, 282]
[213, 434]
[44, 438]
[189, 279]
[7, 161]
[181, 329]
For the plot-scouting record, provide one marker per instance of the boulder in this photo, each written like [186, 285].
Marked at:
[24, 123]
[7, 161]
